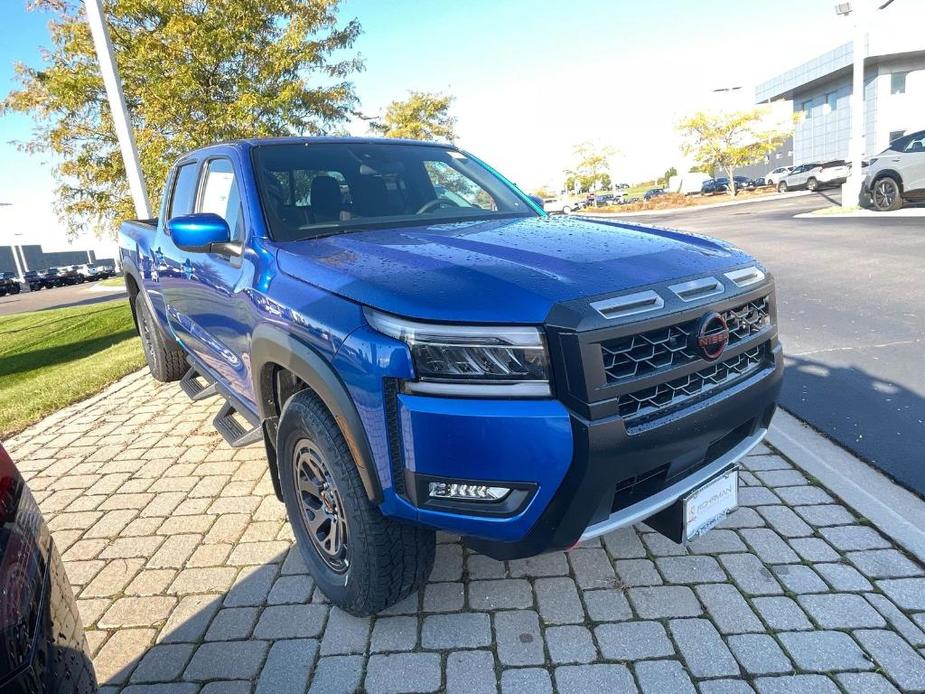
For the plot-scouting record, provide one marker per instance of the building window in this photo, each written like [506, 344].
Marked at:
[807, 109]
[895, 135]
[898, 83]
[831, 102]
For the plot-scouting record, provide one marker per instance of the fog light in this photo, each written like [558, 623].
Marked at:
[466, 492]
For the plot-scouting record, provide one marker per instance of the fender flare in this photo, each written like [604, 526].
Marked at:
[889, 173]
[272, 345]
[130, 270]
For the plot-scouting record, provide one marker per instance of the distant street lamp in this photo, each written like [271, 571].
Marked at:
[860, 11]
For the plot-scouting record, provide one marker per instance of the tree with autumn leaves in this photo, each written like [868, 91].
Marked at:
[728, 141]
[194, 73]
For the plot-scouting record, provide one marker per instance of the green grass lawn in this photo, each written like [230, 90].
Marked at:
[49, 359]
[118, 281]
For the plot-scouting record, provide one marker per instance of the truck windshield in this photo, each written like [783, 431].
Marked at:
[312, 189]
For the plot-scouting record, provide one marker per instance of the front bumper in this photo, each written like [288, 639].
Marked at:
[663, 463]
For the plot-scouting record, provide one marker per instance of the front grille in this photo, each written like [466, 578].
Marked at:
[664, 395]
[643, 354]
[638, 487]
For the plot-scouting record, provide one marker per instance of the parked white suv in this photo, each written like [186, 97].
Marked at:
[815, 176]
[773, 177]
[897, 174]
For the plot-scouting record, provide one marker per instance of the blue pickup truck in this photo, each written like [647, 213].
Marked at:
[420, 347]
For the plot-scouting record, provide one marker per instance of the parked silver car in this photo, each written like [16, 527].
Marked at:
[897, 174]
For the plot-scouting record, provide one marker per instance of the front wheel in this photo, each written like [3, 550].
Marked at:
[782, 187]
[812, 185]
[566, 210]
[886, 195]
[361, 560]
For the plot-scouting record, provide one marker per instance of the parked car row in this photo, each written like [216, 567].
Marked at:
[67, 275]
[568, 205]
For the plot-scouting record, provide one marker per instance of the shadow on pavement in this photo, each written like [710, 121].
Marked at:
[223, 637]
[863, 413]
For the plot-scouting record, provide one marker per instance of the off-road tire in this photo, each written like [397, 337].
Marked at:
[387, 559]
[166, 361]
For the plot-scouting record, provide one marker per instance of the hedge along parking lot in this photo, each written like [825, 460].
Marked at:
[49, 359]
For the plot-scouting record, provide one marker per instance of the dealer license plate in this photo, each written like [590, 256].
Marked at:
[708, 505]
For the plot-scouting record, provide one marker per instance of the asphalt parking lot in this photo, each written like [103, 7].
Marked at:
[851, 300]
[59, 297]
[187, 582]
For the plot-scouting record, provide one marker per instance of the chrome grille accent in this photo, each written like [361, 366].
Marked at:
[646, 353]
[671, 393]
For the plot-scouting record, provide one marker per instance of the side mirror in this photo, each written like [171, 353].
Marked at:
[204, 232]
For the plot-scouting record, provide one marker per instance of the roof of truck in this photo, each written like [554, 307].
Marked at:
[257, 141]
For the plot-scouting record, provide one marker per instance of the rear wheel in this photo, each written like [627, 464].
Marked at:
[782, 187]
[165, 359]
[886, 194]
[361, 560]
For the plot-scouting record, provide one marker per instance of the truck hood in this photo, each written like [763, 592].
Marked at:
[499, 271]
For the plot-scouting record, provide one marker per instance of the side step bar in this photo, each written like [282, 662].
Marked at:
[197, 386]
[231, 429]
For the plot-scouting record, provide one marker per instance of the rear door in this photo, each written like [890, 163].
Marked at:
[209, 309]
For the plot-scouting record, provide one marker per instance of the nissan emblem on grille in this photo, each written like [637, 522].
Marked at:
[712, 337]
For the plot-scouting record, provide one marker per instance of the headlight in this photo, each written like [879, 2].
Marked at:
[470, 360]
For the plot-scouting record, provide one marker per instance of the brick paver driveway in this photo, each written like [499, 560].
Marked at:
[184, 568]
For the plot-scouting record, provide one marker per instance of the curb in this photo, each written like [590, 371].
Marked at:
[695, 208]
[895, 511]
[904, 213]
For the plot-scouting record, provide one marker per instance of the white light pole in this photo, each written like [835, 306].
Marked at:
[101, 41]
[859, 10]
[19, 269]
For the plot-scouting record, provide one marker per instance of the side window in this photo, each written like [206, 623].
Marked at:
[462, 190]
[184, 191]
[916, 144]
[220, 196]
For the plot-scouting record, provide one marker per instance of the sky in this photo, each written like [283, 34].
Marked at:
[531, 79]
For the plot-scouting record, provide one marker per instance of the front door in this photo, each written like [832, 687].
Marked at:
[207, 304]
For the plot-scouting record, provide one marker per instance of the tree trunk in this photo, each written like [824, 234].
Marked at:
[732, 182]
